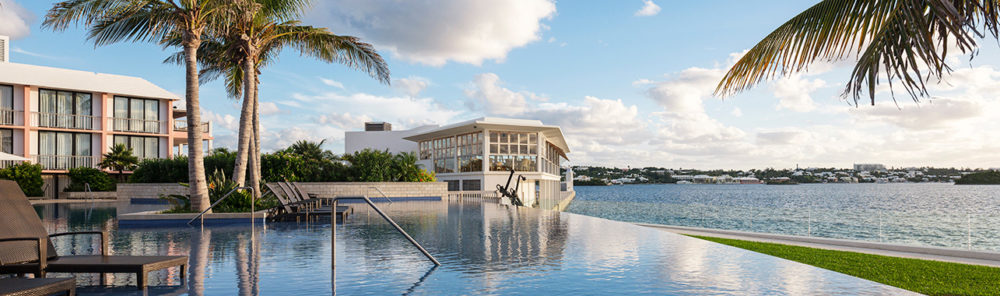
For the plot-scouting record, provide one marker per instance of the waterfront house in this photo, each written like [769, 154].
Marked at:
[62, 118]
[477, 155]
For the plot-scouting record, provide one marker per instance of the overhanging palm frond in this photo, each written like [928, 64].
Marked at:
[905, 38]
[322, 44]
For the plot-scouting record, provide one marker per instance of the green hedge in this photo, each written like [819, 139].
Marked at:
[98, 180]
[27, 175]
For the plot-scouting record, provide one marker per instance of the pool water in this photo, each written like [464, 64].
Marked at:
[483, 248]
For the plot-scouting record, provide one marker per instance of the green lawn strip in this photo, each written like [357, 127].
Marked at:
[922, 276]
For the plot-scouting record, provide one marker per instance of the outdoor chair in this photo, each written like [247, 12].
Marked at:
[20, 221]
[37, 286]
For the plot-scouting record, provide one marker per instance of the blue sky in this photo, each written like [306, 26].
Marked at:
[630, 82]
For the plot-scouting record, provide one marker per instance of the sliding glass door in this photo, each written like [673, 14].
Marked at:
[63, 151]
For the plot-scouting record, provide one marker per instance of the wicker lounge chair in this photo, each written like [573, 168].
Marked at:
[21, 221]
[39, 287]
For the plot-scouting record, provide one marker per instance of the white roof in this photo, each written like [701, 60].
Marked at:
[553, 133]
[58, 78]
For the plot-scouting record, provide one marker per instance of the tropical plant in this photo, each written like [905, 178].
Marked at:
[98, 180]
[155, 21]
[27, 175]
[896, 40]
[120, 158]
[310, 150]
[382, 166]
[239, 201]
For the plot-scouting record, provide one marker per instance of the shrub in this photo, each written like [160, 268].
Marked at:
[979, 178]
[218, 186]
[98, 180]
[27, 175]
[161, 170]
[381, 166]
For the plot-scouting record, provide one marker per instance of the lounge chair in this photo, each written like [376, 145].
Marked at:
[21, 221]
[26, 286]
[40, 287]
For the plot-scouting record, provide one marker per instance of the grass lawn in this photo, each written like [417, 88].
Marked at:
[922, 276]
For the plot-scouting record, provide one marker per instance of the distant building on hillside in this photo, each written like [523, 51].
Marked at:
[870, 167]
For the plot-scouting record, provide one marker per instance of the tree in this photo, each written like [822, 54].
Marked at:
[112, 21]
[905, 41]
[256, 33]
[310, 150]
[120, 158]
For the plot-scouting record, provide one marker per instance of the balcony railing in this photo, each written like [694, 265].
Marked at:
[63, 120]
[135, 125]
[181, 126]
[9, 163]
[11, 117]
[65, 162]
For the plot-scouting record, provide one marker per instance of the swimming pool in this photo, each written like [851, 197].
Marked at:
[483, 248]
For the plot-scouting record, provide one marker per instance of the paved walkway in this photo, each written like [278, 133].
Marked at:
[927, 253]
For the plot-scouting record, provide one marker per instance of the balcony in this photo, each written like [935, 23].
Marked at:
[63, 120]
[135, 125]
[65, 162]
[181, 126]
[11, 117]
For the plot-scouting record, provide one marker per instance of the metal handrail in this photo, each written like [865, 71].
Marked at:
[333, 230]
[383, 193]
[202, 214]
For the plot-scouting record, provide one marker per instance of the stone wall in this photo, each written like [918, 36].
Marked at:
[391, 189]
[127, 191]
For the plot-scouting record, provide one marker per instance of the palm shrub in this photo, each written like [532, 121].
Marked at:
[218, 186]
[98, 180]
[27, 175]
[120, 159]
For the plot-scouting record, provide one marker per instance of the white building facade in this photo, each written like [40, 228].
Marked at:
[478, 155]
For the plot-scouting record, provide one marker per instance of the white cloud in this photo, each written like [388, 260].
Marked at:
[434, 32]
[648, 9]
[782, 137]
[15, 21]
[331, 82]
[411, 86]
[403, 112]
[268, 108]
[344, 121]
[793, 92]
[933, 114]
[492, 98]
[224, 121]
[737, 112]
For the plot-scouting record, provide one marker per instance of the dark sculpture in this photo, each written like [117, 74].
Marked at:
[512, 194]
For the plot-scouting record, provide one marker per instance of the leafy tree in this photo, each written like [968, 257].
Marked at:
[311, 150]
[905, 41]
[119, 159]
[154, 21]
[27, 175]
[98, 180]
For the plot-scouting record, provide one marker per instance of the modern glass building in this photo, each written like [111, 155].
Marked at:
[478, 155]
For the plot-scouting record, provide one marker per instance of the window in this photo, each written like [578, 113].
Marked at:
[425, 150]
[62, 151]
[444, 155]
[7, 140]
[513, 150]
[137, 115]
[6, 104]
[64, 109]
[453, 185]
[142, 147]
[550, 159]
[472, 185]
[470, 152]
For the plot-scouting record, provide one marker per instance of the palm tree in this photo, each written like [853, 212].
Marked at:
[905, 41]
[120, 158]
[111, 21]
[258, 30]
[310, 150]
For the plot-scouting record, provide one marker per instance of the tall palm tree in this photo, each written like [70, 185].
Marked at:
[111, 21]
[903, 41]
[311, 150]
[258, 30]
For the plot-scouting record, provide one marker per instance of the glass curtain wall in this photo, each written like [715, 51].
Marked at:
[462, 153]
[470, 152]
[513, 150]
[550, 159]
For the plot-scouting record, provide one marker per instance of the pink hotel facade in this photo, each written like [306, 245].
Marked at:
[63, 118]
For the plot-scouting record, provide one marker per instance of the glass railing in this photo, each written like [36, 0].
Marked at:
[135, 125]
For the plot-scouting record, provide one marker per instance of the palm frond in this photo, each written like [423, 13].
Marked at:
[906, 38]
[320, 43]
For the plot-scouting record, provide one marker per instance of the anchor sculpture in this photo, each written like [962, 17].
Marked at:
[512, 194]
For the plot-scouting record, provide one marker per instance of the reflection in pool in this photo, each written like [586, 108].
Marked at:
[483, 248]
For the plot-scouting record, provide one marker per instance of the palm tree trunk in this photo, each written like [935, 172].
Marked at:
[255, 173]
[196, 163]
[246, 121]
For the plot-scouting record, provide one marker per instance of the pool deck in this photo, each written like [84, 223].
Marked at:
[894, 250]
[67, 201]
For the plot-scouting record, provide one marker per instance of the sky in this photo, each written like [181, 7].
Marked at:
[629, 82]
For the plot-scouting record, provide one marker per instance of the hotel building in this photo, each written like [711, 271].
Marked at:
[62, 119]
[477, 155]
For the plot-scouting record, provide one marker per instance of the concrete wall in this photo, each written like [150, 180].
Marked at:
[127, 191]
[382, 140]
[392, 189]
